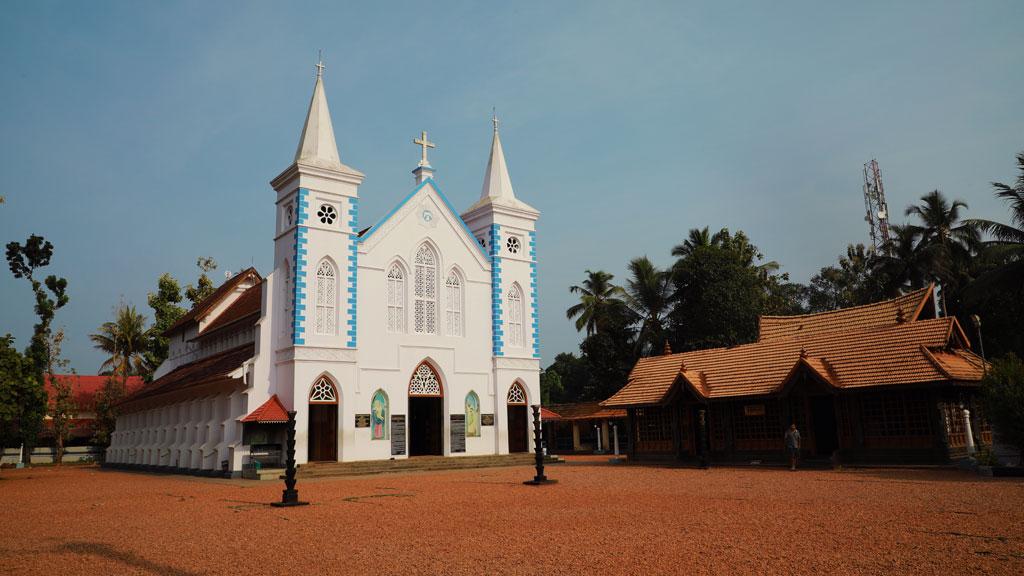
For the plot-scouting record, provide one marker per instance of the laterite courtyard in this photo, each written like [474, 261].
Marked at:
[599, 519]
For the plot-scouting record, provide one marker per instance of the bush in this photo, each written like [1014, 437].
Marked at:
[1003, 399]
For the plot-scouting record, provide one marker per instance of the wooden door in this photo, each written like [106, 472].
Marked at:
[518, 429]
[323, 432]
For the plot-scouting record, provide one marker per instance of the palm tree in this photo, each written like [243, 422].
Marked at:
[1008, 238]
[600, 303]
[697, 238]
[904, 262]
[947, 241]
[648, 295]
[125, 340]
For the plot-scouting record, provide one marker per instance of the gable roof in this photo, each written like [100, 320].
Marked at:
[910, 306]
[247, 306]
[214, 372]
[85, 388]
[912, 352]
[581, 411]
[208, 303]
[368, 233]
[270, 412]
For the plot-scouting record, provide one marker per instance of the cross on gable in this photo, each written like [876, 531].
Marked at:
[423, 143]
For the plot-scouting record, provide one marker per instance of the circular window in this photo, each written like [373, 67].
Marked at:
[512, 244]
[327, 214]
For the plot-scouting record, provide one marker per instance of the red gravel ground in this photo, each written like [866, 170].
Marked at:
[597, 519]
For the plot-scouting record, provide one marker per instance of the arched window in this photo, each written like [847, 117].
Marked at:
[379, 415]
[472, 414]
[425, 290]
[516, 394]
[323, 392]
[453, 304]
[326, 299]
[515, 316]
[424, 382]
[396, 299]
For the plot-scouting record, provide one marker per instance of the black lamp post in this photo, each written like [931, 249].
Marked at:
[976, 320]
[290, 496]
[540, 478]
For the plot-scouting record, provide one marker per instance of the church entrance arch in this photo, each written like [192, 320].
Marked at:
[518, 419]
[323, 421]
[426, 412]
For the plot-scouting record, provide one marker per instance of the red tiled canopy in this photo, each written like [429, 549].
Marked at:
[270, 412]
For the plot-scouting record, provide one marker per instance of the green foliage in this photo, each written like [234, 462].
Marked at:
[24, 260]
[106, 409]
[1003, 399]
[574, 377]
[17, 379]
[204, 286]
[126, 341]
[601, 306]
[853, 283]
[63, 408]
[166, 312]
[649, 297]
[551, 389]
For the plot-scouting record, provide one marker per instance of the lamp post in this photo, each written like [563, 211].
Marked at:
[290, 496]
[540, 478]
[976, 320]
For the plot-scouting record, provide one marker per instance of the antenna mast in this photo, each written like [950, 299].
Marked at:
[877, 210]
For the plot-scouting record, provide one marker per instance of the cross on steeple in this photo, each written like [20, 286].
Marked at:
[424, 144]
[494, 119]
[320, 63]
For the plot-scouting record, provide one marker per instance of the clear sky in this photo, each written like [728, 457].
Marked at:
[137, 136]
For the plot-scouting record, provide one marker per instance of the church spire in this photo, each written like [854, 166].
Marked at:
[317, 145]
[497, 183]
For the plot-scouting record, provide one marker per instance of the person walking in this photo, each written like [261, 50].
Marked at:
[793, 445]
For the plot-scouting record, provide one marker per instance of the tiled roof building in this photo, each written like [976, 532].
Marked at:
[885, 381]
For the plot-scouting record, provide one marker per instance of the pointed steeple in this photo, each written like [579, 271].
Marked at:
[317, 145]
[497, 183]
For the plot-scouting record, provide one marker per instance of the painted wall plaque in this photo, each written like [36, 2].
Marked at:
[398, 434]
[472, 415]
[379, 416]
[487, 419]
[362, 420]
[458, 429]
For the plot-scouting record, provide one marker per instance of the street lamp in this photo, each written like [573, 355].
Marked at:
[976, 320]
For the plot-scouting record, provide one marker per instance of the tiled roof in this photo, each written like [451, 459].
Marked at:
[546, 414]
[85, 388]
[210, 301]
[270, 412]
[212, 371]
[250, 303]
[911, 352]
[910, 306]
[584, 411]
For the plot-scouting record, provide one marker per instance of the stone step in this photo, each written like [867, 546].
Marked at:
[415, 464]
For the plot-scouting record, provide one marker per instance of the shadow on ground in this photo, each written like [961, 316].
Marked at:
[126, 558]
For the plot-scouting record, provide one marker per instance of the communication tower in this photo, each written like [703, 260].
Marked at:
[877, 210]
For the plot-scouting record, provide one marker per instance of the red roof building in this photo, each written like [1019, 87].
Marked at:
[84, 390]
[885, 381]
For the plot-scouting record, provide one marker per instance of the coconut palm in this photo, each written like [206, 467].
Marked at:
[904, 262]
[1008, 239]
[698, 237]
[125, 340]
[947, 241]
[600, 303]
[648, 295]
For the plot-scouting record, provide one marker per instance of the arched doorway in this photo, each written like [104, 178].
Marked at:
[518, 419]
[426, 412]
[323, 421]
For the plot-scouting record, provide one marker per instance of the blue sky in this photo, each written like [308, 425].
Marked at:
[137, 136]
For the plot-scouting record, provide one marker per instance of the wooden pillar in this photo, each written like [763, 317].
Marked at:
[576, 446]
[676, 441]
[631, 432]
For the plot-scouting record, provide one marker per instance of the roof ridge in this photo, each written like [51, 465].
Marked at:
[880, 302]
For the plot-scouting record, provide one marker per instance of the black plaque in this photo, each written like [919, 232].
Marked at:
[362, 420]
[487, 419]
[458, 433]
[397, 434]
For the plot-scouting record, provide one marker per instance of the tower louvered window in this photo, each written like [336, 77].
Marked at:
[396, 299]
[425, 291]
[514, 310]
[326, 299]
[453, 309]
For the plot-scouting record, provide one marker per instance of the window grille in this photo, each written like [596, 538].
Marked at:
[396, 299]
[326, 299]
[323, 392]
[516, 394]
[515, 317]
[425, 289]
[453, 312]
[424, 382]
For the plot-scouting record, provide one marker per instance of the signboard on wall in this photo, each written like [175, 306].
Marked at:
[487, 419]
[398, 434]
[362, 420]
[458, 429]
[753, 410]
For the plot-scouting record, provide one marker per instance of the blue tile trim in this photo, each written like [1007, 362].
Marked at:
[444, 199]
[494, 246]
[353, 268]
[299, 296]
[534, 310]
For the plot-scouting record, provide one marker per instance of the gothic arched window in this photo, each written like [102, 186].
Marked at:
[424, 382]
[516, 394]
[396, 299]
[425, 292]
[514, 303]
[323, 392]
[453, 304]
[326, 299]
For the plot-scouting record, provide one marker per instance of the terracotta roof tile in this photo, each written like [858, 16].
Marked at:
[270, 412]
[248, 304]
[85, 388]
[210, 301]
[584, 411]
[210, 371]
[886, 313]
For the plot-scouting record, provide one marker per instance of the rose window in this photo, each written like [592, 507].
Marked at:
[327, 214]
[512, 244]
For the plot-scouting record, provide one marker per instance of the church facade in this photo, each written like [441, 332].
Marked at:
[417, 335]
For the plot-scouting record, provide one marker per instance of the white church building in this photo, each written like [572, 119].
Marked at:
[415, 336]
